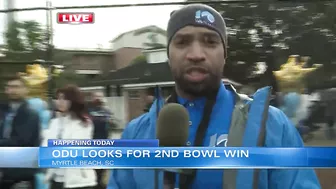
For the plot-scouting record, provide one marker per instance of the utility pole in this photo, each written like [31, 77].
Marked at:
[49, 50]
[10, 16]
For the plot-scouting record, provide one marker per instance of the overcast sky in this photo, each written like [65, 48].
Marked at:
[109, 22]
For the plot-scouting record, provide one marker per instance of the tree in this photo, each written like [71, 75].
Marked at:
[26, 41]
[14, 43]
[270, 32]
[34, 36]
[139, 60]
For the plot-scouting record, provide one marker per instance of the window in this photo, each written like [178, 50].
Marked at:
[157, 57]
[153, 38]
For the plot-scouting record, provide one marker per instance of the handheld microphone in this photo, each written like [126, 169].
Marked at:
[173, 125]
[172, 131]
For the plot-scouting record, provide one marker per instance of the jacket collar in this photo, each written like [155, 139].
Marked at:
[221, 95]
[6, 107]
[200, 102]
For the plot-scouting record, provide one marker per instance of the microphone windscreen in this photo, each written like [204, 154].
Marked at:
[172, 125]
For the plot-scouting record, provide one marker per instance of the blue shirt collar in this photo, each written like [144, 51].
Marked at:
[200, 102]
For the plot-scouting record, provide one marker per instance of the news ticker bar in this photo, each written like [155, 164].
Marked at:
[103, 143]
[182, 157]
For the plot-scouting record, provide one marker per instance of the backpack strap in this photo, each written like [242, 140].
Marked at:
[236, 136]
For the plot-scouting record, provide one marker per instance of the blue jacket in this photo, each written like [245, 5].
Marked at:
[279, 133]
[291, 103]
[40, 107]
[100, 118]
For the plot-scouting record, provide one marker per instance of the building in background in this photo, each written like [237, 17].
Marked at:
[125, 49]
[129, 45]
[139, 54]
[131, 84]
[87, 62]
[141, 38]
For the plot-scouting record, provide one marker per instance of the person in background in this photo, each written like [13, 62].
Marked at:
[149, 99]
[291, 103]
[102, 121]
[41, 107]
[301, 114]
[315, 112]
[74, 124]
[197, 50]
[20, 128]
[329, 98]
[102, 117]
[56, 110]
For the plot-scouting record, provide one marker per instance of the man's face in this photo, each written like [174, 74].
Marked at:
[197, 58]
[149, 99]
[97, 98]
[15, 90]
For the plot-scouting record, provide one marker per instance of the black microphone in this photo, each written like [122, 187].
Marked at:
[172, 131]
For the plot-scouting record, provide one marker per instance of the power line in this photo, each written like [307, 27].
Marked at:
[23, 9]
[160, 4]
[157, 4]
[125, 5]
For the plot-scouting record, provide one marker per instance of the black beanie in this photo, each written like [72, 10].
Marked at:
[196, 15]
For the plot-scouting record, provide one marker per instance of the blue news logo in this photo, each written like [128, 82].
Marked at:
[204, 17]
[218, 140]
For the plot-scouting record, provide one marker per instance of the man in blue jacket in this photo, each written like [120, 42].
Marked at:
[197, 49]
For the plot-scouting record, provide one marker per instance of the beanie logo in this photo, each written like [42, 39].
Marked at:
[204, 17]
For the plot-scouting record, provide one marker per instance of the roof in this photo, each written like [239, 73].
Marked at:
[141, 74]
[20, 62]
[154, 49]
[139, 31]
[86, 51]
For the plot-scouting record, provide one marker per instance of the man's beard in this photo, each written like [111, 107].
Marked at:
[207, 87]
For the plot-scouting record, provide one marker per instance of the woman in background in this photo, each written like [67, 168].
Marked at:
[56, 112]
[73, 124]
